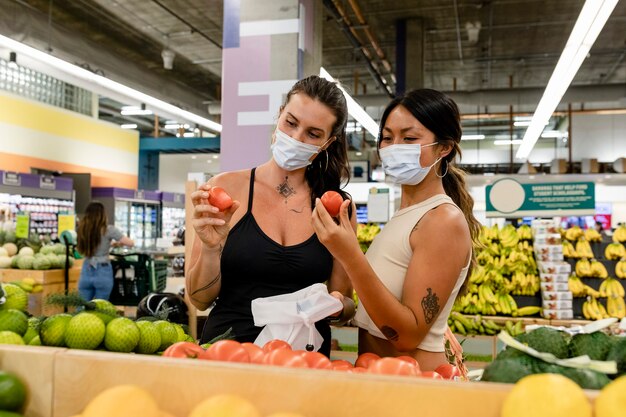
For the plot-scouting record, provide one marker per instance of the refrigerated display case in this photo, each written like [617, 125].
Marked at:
[43, 197]
[136, 213]
[172, 214]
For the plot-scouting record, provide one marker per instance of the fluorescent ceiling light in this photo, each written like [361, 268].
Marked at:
[129, 126]
[134, 111]
[354, 109]
[189, 135]
[507, 142]
[472, 137]
[91, 80]
[553, 134]
[590, 22]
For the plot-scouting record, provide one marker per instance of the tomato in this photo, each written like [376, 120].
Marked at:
[220, 198]
[275, 344]
[332, 202]
[357, 370]
[364, 359]
[256, 353]
[431, 375]
[410, 360]
[448, 371]
[393, 366]
[228, 351]
[184, 350]
[341, 365]
[316, 360]
[285, 357]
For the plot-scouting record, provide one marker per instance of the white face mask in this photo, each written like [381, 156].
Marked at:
[401, 163]
[291, 154]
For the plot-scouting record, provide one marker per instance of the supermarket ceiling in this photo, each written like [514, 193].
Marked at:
[514, 43]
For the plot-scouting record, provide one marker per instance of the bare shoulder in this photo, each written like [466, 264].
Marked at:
[443, 221]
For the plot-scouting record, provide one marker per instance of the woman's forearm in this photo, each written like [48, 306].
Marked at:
[203, 281]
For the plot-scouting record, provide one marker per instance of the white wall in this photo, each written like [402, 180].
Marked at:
[599, 136]
[173, 169]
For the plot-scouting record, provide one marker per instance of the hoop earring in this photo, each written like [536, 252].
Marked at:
[445, 173]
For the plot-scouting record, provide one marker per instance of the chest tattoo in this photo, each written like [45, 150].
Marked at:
[285, 189]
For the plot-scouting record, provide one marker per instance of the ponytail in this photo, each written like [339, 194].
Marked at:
[455, 187]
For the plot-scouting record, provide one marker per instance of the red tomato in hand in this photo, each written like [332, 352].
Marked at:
[184, 350]
[332, 202]
[275, 344]
[448, 371]
[364, 359]
[220, 198]
[431, 375]
[316, 360]
[228, 351]
[285, 357]
[393, 366]
[256, 353]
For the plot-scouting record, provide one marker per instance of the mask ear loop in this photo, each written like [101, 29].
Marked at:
[445, 173]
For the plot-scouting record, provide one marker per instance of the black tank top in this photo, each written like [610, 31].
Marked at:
[253, 265]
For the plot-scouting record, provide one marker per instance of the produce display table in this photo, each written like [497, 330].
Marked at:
[53, 281]
[62, 382]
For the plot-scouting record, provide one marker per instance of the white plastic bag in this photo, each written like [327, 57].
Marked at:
[291, 317]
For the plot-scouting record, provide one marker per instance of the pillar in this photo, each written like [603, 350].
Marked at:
[409, 55]
[267, 47]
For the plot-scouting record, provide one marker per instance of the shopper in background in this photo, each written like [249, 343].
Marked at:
[414, 269]
[264, 245]
[95, 238]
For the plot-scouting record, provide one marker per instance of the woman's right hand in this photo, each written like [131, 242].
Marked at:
[210, 224]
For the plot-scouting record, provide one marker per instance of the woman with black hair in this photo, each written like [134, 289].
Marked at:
[264, 244]
[416, 267]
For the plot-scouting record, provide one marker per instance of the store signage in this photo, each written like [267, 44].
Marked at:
[510, 198]
[139, 194]
[178, 198]
[22, 226]
[11, 178]
[66, 222]
[47, 182]
[378, 205]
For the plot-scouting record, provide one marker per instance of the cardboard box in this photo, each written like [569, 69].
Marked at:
[554, 268]
[557, 295]
[554, 286]
[557, 305]
[552, 278]
[548, 239]
[558, 314]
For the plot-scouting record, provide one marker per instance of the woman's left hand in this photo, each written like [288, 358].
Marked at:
[339, 239]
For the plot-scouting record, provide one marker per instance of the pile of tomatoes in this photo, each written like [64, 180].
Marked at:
[278, 352]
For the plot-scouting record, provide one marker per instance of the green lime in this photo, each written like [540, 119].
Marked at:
[181, 335]
[149, 337]
[10, 338]
[35, 341]
[122, 335]
[12, 392]
[14, 321]
[84, 331]
[169, 335]
[52, 331]
[16, 298]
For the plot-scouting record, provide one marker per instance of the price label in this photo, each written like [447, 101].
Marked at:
[22, 226]
[47, 182]
[66, 222]
[11, 178]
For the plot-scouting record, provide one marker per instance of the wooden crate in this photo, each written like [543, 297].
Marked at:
[35, 367]
[53, 281]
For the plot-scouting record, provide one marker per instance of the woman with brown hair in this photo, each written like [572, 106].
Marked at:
[415, 268]
[95, 238]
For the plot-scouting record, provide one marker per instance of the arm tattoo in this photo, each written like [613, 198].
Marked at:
[389, 333]
[209, 285]
[430, 305]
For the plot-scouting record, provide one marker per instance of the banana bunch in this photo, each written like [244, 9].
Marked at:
[620, 269]
[611, 287]
[465, 325]
[594, 310]
[488, 235]
[576, 287]
[616, 307]
[614, 251]
[620, 234]
[592, 235]
[583, 268]
[505, 304]
[514, 329]
[524, 232]
[366, 232]
[524, 284]
[527, 311]
[598, 270]
[573, 233]
[508, 236]
[568, 250]
[583, 249]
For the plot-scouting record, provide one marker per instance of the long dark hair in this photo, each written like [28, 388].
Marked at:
[91, 228]
[440, 114]
[330, 168]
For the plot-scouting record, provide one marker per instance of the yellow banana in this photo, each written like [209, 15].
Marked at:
[528, 311]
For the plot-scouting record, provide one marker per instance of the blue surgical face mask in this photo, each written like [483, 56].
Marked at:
[401, 163]
[291, 154]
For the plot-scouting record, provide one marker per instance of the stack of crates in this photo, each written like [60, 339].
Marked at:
[135, 276]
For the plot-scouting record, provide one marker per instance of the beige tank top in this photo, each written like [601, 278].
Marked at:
[390, 254]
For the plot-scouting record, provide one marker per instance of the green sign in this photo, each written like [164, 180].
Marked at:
[510, 198]
[22, 225]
